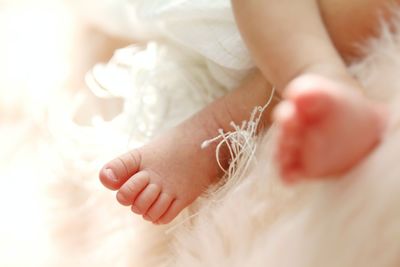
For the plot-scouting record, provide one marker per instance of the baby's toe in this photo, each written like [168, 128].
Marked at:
[173, 210]
[116, 172]
[146, 198]
[312, 96]
[313, 106]
[159, 207]
[131, 189]
[288, 153]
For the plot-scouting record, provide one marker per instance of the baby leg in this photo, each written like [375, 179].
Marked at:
[161, 178]
[326, 125]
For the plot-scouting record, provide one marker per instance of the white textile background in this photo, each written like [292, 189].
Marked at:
[55, 212]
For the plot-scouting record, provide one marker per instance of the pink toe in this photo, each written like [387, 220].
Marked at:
[116, 172]
[290, 140]
[312, 96]
[171, 213]
[289, 162]
[131, 189]
[159, 207]
[313, 106]
[146, 198]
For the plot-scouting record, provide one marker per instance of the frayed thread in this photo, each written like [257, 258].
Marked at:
[242, 145]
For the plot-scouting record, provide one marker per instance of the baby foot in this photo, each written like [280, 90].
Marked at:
[325, 128]
[158, 180]
[165, 176]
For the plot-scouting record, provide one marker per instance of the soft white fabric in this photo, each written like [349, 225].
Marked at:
[198, 56]
[204, 26]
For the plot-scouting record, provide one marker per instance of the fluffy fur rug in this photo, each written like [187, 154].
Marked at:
[257, 221]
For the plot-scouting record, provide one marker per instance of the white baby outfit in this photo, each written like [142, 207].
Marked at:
[194, 54]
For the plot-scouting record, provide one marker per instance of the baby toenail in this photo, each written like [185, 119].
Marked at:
[111, 175]
[135, 209]
[147, 218]
[121, 197]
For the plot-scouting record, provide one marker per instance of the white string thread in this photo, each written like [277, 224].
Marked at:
[242, 145]
[240, 142]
